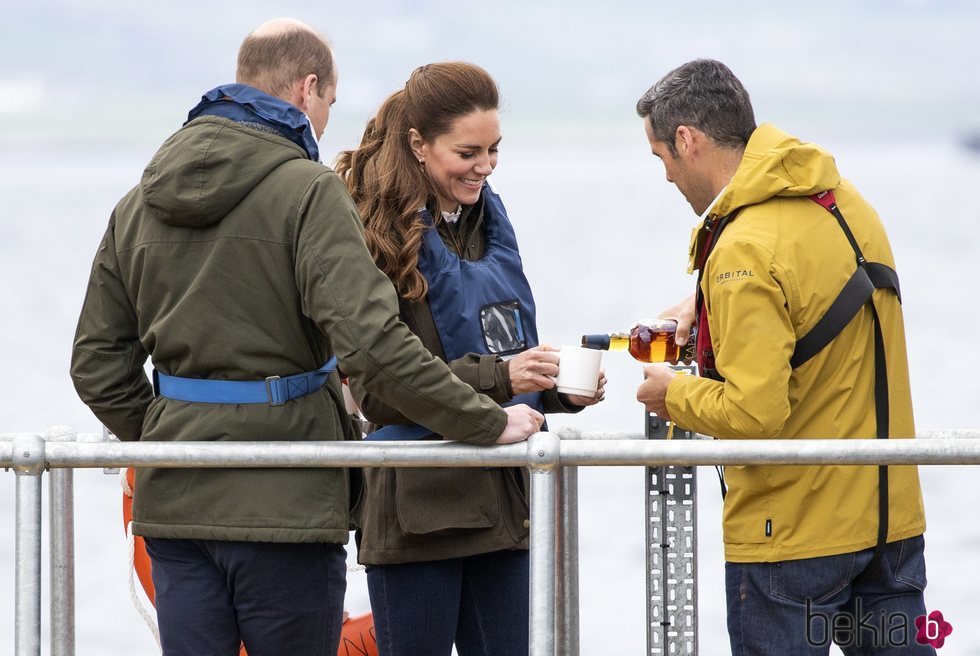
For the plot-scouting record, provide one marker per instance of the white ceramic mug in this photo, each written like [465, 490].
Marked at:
[578, 370]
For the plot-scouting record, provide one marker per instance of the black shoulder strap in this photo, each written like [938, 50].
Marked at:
[858, 291]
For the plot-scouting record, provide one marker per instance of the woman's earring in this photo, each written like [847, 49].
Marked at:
[422, 163]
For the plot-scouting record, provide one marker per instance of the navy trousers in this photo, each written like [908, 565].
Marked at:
[798, 607]
[213, 595]
[479, 602]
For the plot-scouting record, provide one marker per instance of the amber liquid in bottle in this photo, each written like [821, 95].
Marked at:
[650, 342]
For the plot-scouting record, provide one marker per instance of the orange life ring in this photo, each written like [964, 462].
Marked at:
[141, 559]
[357, 637]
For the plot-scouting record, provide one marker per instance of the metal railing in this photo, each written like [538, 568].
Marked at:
[551, 458]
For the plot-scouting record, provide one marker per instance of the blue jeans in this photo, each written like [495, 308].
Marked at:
[212, 596]
[797, 607]
[479, 602]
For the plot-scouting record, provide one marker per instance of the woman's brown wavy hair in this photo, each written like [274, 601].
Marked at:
[385, 179]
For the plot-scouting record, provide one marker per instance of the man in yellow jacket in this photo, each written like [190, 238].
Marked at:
[814, 553]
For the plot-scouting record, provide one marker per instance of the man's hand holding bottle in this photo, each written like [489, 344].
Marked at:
[652, 392]
[683, 314]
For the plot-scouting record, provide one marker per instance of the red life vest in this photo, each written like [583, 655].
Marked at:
[705, 354]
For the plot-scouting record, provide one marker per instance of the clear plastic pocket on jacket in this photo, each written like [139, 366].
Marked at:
[503, 330]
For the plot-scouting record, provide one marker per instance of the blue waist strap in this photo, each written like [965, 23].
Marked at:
[273, 390]
[396, 432]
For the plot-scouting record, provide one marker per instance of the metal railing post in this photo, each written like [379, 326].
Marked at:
[567, 579]
[671, 551]
[543, 460]
[61, 522]
[28, 462]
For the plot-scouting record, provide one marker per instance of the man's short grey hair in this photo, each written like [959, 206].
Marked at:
[702, 94]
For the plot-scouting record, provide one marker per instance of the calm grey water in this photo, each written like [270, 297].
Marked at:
[604, 240]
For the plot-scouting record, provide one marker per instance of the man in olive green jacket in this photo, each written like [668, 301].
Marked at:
[807, 547]
[239, 257]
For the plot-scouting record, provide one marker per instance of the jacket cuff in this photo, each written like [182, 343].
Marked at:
[487, 372]
[561, 403]
[503, 371]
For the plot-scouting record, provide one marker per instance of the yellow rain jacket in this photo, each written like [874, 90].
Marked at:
[775, 270]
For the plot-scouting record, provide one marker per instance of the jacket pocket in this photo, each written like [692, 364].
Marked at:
[434, 500]
[747, 512]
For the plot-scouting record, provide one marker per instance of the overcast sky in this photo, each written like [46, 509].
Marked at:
[885, 67]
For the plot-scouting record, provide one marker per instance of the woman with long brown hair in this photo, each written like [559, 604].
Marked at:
[446, 549]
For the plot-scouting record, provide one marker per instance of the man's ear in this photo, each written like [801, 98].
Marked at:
[301, 90]
[684, 140]
[415, 142]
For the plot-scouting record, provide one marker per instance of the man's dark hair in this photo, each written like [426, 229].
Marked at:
[702, 94]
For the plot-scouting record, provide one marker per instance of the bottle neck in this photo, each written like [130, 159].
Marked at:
[619, 342]
[599, 342]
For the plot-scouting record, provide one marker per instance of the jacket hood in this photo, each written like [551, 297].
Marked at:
[773, 164]
[207, 167]
[776, 164]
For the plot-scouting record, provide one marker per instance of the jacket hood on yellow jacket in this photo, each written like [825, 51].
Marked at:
[774, 164]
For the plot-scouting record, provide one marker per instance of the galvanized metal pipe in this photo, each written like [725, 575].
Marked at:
[772, 452]
[542, 459]
[282, 454]
[566, 574]
[28, 463]
[625, 452]
[61, 523]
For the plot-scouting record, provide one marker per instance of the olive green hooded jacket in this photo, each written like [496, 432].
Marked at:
[237, 258]
[773, 273]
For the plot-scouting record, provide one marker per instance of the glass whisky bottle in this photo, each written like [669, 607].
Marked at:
[652, 341]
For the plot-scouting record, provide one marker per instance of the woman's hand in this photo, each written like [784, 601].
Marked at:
[600, 393]
[533, 370]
